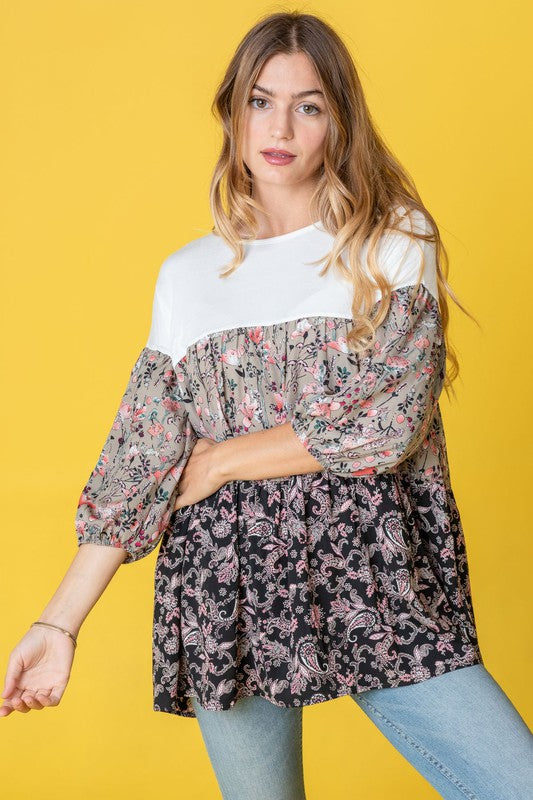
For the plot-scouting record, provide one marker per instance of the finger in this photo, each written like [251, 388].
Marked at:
[5, 709]
[31, 701]
[43, 696]
[19, 705]
[55, 698]
[13, 673]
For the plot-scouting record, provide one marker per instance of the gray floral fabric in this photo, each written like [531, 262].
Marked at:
[360, 415]
[130, 494]
[299, 588]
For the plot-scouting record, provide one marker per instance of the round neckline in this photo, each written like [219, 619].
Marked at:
[281, 237]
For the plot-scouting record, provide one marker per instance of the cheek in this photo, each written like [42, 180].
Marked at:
[253, 129]
[313, 136]
[315, 144]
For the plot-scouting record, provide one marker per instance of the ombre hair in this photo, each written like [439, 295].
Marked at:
[360, 184]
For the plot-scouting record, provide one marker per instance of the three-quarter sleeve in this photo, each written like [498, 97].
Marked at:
[383, 401]
[130, 494]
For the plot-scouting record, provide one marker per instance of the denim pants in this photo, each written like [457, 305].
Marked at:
[459, 730]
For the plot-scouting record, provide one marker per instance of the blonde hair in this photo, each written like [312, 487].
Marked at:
[360, 183]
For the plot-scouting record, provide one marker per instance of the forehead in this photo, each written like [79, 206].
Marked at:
[285, 73]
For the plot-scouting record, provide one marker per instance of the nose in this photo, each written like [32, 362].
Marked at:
[281, 127]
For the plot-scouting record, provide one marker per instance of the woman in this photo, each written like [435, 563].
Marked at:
[280, 437]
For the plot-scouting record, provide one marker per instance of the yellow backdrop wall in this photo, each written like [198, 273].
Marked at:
[108, 144]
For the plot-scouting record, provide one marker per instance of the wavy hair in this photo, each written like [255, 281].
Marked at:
[360, 184]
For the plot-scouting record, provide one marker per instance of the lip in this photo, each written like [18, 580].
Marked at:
[278, 158]
[275, 150]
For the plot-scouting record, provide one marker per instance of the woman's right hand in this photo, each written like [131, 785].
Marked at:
[38, 670]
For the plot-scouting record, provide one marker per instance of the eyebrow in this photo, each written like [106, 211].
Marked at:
[294, 96]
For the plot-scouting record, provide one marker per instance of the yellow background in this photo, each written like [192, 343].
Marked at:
[108, 144]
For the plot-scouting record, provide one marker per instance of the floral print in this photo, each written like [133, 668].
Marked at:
[380, 406]
[130, 494]
[304, 587]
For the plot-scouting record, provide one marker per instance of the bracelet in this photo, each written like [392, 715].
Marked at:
[63, 630]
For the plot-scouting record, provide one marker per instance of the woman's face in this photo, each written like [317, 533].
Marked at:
[286, 111]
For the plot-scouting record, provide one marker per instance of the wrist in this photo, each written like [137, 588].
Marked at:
[221, 464]
[60, 622]
[56, 628]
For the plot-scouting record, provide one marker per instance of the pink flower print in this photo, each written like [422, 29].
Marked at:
[248, 408]
[255, 334]
[124, 411]
[270, 359]
[310, 388]
[100, 468]
[278, 397]
[198, 406]
[300, 566]
[315, 616]
[155, 429]
[422, 342]
[320, 409]
[339, 344]
[232, 356]
[139, 414]
[365, 471]
[370, 381]
[348, 680]
[302, 327]
[148, 400]
[170, 404]
[133, 451]
[397, 361]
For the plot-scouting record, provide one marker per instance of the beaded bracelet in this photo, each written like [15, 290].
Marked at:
[63, 630]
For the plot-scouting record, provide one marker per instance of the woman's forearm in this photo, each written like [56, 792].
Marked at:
[89, 573]
[270, 453]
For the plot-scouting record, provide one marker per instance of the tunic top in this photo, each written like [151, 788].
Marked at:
[305, 587]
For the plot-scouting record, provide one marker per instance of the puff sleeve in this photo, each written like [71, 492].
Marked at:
[383, 402]
[130, 494]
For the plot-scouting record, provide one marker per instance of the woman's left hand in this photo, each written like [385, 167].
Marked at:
[200, 477]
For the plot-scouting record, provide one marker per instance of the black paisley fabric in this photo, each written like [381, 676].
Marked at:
[307, 588]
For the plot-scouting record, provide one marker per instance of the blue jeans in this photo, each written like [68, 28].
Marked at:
[459, 730]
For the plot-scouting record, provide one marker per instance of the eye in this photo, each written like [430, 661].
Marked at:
[314, 113]
[257, 99]
[309, 105]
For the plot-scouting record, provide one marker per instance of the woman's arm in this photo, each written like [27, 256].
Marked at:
[39, 666]
[88, 575]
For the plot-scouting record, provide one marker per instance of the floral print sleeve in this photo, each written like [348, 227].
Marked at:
[129, 496]
[383, 402]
